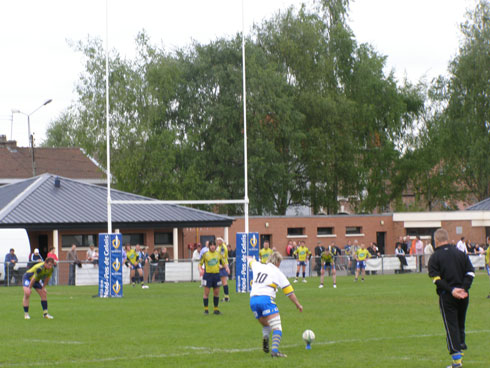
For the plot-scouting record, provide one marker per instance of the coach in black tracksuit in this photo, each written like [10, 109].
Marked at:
[453, 273]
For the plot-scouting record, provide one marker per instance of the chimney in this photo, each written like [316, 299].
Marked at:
[57, 182]
[5, 143]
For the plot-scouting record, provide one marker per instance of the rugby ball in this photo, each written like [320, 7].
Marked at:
[308, 336]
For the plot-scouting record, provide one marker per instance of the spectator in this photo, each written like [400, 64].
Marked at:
[90, 254]
[461, 245]
[401, 256]
[196, 256]
[231, 260]
[289, 249]
[478, 249]
[419, 251]
[374, 253]
[164, 257]
[72, 256]
[428, 251]
[54, 277]
[406, 244]
[319, 249]
[154, 259]
[10, 262]
[470, 247]
[143, 258]
[34, 258]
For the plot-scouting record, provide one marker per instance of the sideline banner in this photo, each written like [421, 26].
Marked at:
[246, 245]
[110, 266]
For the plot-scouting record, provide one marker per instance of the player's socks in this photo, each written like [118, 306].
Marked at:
[215, 302]
[227, 293]
[205, 302]
[44, 304]
[276, 340]
[457, 359]
[26, 309]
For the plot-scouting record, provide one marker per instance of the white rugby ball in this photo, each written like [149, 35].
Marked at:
[308, 336]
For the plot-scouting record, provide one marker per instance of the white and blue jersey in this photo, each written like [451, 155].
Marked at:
[267, 278]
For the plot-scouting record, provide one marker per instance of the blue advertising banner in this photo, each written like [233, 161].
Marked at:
[110, 266]
[246, 245]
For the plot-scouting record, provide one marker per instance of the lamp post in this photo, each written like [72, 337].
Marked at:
[31, 140]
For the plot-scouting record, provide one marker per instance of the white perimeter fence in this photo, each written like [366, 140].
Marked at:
[187, 270]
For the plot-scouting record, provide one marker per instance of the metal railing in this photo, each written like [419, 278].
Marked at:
[87, 273]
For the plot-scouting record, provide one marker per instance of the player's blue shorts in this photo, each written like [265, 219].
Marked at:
[134, 266]
[361, 264]
[222, 272]
[26, 280]
[263, 305]
[329, 265]
[301, 263]
[211, 280]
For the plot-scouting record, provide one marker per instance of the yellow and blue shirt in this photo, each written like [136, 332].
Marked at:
[264, 254]
[133, 257]
[39, 272]
[302, 253]
[362, 254]
[212, 261]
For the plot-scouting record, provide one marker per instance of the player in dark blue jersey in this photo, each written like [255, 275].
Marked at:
[37, 277]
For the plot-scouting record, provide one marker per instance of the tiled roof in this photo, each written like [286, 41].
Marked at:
[39, 203]
[16, 163]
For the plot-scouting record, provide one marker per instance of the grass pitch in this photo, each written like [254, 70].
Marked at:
[387, 321]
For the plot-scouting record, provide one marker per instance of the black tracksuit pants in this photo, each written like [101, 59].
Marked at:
[454, 314]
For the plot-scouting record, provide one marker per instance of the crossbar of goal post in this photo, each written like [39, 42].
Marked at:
[217, 201]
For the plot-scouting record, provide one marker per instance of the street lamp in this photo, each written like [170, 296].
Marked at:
[31, 140]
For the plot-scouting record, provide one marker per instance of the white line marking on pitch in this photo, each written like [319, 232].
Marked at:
[207, 350]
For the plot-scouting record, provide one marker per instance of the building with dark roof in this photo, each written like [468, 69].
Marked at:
[73, 163]
[58, 211]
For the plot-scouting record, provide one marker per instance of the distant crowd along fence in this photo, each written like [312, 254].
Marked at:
[187, 270]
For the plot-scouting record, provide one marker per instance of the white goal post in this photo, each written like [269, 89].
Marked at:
[110, 202]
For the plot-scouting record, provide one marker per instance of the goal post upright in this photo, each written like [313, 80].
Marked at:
[244, 201]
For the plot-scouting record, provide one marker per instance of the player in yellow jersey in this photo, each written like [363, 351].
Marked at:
[37, 277]
[328, 262]
[222, 248]
[133, 261]
[265, 252]
[361, 255]
[209, 267]
[302, 254]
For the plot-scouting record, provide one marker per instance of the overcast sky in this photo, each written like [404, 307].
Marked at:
[36, 62]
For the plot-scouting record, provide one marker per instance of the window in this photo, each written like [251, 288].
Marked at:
[133, 239]
[164, 238]
[79, 240]
[324, 231]
[353, 230]
[295, 231]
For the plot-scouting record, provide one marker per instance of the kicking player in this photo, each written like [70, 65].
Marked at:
[37, 277]
[223, 274]
[303, 254]
[266, 279]
[361, 255]
[133, 259]
[265, 252]
[452, 273]
[328, 262]
[211, 260]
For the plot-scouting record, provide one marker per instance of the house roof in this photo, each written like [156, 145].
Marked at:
[67, 162]
[480, 206]
[37, 203]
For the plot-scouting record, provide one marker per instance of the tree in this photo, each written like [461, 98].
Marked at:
[460, 126]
